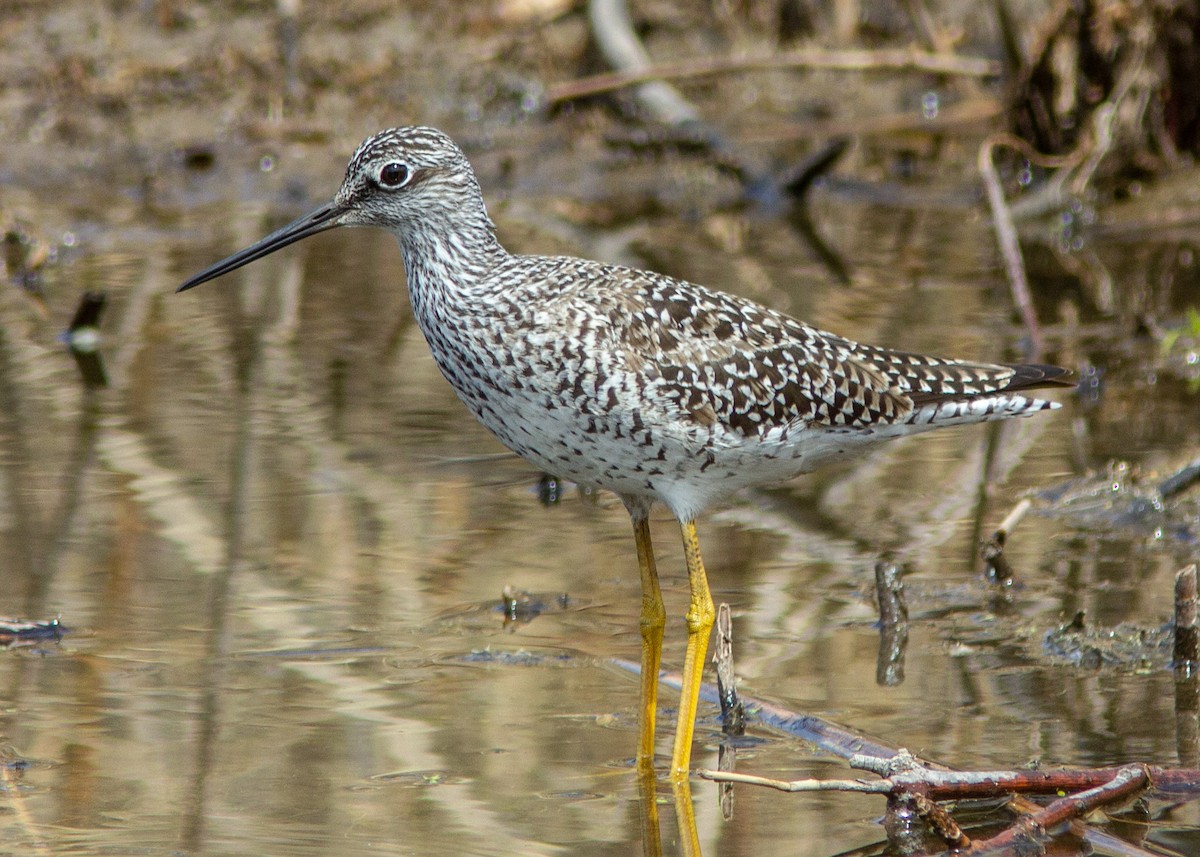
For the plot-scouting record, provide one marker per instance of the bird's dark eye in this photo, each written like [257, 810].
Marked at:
[393, 175]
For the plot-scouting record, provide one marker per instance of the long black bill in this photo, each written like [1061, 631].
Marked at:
[325, 217]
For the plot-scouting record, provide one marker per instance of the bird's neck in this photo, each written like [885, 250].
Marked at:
[451, 256]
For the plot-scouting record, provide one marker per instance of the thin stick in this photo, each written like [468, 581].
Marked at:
[814, 59]
[893, 625]
[733, 715]
[1127, 782]
[824, 734]
[1014, 517]
[863, 786]
[1010, 248]
[620, 45]
[1186, 650]
[1186, 662]
[941, 822]
[973, 785]
[993, 549]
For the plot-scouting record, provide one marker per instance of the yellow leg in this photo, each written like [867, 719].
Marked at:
[700, 616]
[654, 619]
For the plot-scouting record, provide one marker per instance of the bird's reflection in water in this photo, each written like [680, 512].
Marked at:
[685, 815]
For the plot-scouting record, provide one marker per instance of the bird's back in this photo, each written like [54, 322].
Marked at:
[642, 383]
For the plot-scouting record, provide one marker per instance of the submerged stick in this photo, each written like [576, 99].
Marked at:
[941, 822]
[1186, 649]
[893, 625]
[1033, 827]
[823, 734]
[993, 549]
[733, 714]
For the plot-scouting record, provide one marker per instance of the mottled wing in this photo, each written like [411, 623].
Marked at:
[724, 360]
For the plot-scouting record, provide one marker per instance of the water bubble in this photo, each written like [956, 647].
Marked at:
[930, 102]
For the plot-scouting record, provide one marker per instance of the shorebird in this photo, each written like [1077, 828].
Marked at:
[657, 389]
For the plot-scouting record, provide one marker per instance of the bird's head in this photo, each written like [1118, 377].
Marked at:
[406, 180]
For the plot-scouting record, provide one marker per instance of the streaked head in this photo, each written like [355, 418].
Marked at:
[401, 179]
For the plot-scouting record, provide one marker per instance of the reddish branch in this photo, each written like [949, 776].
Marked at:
[1033, 827]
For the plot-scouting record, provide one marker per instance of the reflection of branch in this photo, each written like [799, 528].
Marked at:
[14, 467]
[15, 792]
[79, 465]
[807, 58]
[247, 352]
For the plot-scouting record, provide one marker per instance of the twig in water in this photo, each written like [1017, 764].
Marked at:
[941, 822]
[1186, 659]
[1032, 828]
[967, 785]
[893, 625]
[875, 787]
[733, 715]
[992, 551]
[821, 733]
[800, 178]
[1179, 481]
[1187, 717]
[1187, 668]
[1186, 649]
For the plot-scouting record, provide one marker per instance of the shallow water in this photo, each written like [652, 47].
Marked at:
[280, 543]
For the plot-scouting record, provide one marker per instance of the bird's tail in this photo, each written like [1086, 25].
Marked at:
[1002, 402]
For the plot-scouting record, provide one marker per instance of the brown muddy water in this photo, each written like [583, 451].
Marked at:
[279, 542]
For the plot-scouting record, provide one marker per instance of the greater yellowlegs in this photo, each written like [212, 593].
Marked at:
[654, 388]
